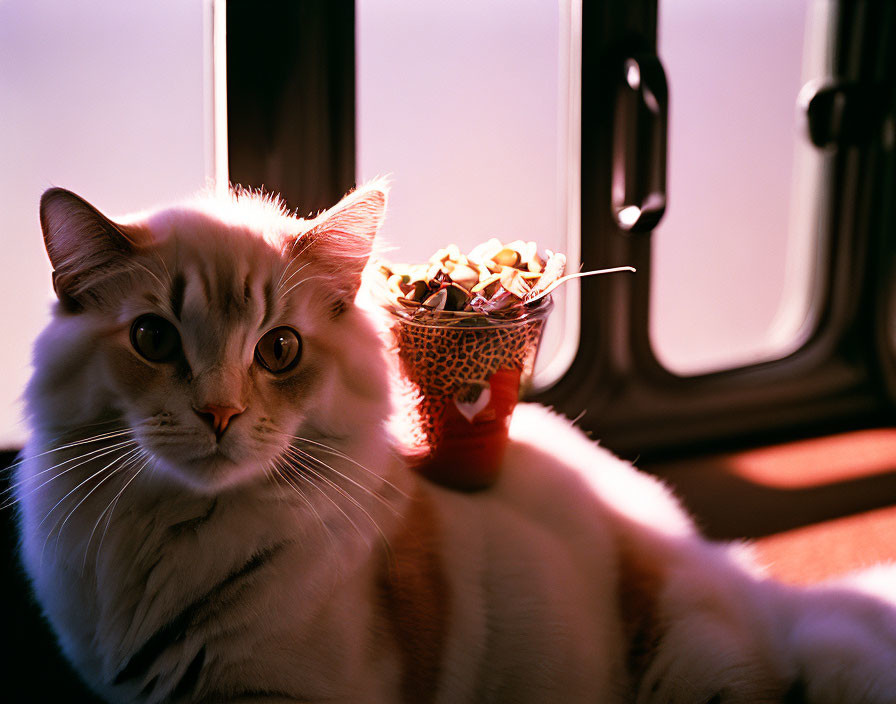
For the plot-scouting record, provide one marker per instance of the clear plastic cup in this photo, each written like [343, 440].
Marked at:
[462, 376]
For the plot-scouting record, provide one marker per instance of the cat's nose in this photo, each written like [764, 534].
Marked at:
[218, 417]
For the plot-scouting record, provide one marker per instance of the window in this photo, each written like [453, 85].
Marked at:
[734, 270]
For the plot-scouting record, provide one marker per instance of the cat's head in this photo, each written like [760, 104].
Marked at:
[216, 332]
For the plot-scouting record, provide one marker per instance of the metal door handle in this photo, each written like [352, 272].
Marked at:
[639, 144]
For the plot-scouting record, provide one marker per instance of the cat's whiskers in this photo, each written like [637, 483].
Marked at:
[277, 465]
[147, 458]
[126, 454]
[85, 458]
[294, 471]
[302, 454]
[96, 438]
[135, 458]
[151, 465]
[30, 478]
[267, 468]
[69, 433]
[124, 459]
[338, 453]
[340, 490]
[109, 467]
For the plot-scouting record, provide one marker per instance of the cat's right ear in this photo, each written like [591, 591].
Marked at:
[84, 246]
[340, 240]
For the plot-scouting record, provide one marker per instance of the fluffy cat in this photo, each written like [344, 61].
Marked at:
[212, 508]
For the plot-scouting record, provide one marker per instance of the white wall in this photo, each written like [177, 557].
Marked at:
[109, 99]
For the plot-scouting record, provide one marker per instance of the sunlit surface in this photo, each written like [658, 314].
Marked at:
[735, 258]
[472, 109]
[830, 549]
[108, 99]
[819, 461]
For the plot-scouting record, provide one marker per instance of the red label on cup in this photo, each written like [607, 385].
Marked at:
[473, 437]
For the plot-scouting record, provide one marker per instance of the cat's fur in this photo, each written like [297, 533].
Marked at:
[298, 559]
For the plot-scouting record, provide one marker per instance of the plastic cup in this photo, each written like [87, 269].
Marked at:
[462, 378]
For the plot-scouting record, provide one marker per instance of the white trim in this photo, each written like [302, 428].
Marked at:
[218, 85]
[569, 176]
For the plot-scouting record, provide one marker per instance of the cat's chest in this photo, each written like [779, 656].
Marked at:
[164, 563]
[252, 590]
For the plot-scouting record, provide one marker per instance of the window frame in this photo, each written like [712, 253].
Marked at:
[832, 381]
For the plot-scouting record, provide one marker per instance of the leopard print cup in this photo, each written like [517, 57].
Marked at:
[461, 381]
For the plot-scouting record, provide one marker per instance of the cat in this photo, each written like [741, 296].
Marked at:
[212, 508]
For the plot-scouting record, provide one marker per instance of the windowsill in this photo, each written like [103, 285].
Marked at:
[814, 508]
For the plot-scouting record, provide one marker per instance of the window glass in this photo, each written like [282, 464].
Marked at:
[735, 258]
[108, 99]
[472, 108]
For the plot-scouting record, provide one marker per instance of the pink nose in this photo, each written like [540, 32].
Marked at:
[218, 417]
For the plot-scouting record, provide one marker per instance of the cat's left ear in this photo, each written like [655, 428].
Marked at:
[85, 247]
[340, 240]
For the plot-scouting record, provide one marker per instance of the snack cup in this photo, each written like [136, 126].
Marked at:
[462, 377]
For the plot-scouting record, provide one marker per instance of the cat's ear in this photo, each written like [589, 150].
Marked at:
[340, 240]
[85, 247]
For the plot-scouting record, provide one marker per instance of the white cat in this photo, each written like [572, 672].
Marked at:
[212, 509]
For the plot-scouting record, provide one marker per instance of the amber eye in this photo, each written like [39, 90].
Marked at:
[279, 350]
[155, 338]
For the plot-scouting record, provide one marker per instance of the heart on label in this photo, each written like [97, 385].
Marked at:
[470, 403]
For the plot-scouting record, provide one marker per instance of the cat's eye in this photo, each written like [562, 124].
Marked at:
[279, 350]
[155, 338]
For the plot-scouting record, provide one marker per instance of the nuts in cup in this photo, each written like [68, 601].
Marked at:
[467, 330]
[494, 279]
